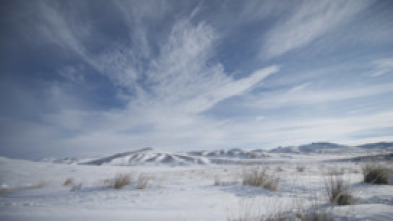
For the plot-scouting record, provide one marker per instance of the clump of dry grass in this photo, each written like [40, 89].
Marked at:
[69, 181]
[376, 174]
[121, 180]
[143, 181]
[5, 190]
[76, 187]
[338, 190]
[279, 169]
[300, 168]
[290, 214]
[300, 216]
[261, 178]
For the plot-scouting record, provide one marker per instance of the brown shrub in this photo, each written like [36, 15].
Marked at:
[143, 181]
[261, 178]
[69, 181]
[121, 180]
[338, 190]
[376, 173]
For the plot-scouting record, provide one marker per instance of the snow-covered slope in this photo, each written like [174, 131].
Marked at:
[233, 156]
[148, 156]
[37, 191]
[232, 153]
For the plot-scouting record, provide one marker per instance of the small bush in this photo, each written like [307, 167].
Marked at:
[69, 181]
[76, 187]
[338, 190]
[5, 190]
[294, 214]
[143, 181]
[279, 169]
[217, 181]
[121, 180]
[377, 174]
[314, 216]
[300, 168]
[261, 178]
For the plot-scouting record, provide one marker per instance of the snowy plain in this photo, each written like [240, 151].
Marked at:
[200, 191]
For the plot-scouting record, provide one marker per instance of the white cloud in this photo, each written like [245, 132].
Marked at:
[168, 82]
[316, 97]
[310, 20]
[382, 66]
[180, 83]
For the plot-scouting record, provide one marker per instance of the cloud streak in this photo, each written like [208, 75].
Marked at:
[309, 21]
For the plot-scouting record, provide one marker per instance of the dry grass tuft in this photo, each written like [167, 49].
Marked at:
[300, 168]
[143, 181]
[69, 181]
[338, 190]
[279, 169]
[76, 187]
[376, 174]
[293, 214]
[261, 178]
[121, 180]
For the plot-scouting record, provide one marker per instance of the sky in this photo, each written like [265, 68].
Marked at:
[97, 77]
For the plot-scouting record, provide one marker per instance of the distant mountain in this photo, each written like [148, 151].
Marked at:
[380, 145]
[320, 147]
[148, 156]
[232, 153]
[65, 160]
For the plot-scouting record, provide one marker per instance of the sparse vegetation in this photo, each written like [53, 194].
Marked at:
[5, 190]
[338, 190]
[376, 174]
[76, 187]
[293, 214]
[143, 181]
[261, 178]
[300, 216]
[300, 168]
[279, 169]
[121, 180]
[69, 181]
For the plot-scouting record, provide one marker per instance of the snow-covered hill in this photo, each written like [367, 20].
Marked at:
[232, 153]
[148, 156]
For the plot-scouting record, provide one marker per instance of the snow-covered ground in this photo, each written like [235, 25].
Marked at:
[36, 191]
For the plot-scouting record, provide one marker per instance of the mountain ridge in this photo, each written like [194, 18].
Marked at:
[151, 156]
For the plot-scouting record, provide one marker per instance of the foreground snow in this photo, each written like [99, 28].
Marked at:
[35, 191]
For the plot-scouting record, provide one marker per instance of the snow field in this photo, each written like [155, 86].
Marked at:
[36, 191]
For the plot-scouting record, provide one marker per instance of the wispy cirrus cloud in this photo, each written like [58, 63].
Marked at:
[164, 93]
[308, 21]
[115, 75]
[382, 66]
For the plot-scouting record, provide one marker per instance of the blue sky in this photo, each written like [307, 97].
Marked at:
[97, 77]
